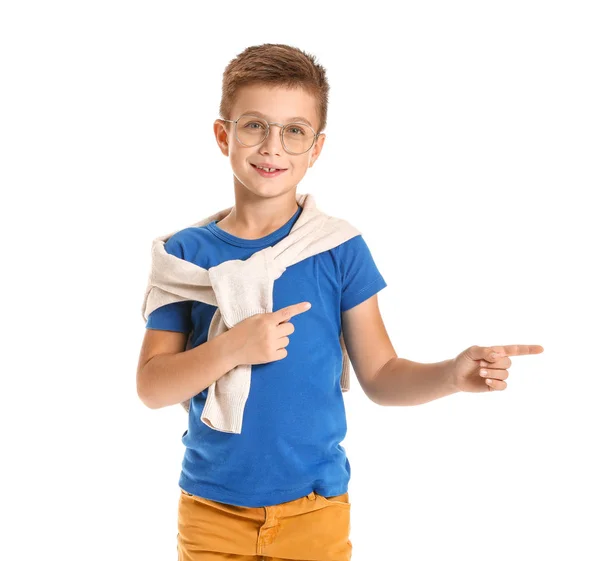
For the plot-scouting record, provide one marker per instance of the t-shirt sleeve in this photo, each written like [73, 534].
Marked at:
[360, 276]
[176, 316]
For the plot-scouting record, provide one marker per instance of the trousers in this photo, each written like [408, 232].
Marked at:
[311, 528]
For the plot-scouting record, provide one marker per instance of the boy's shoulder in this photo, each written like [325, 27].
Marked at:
[354, 244]
[188, 242]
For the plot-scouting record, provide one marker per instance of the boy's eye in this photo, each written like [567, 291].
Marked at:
[249, 125]
[296, 130]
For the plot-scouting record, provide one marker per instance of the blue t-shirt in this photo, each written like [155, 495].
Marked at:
[294, 418]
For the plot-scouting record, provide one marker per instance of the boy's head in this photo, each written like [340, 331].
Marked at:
[272, 84]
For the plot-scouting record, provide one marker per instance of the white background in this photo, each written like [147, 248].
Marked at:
[463, 141]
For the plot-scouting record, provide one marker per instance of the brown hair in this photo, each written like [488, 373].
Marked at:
[275, 65]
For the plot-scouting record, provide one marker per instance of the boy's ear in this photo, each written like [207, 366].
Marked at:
[221, 136]
[317, 149]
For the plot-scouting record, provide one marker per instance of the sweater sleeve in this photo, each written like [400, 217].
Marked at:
[176, 316]
[360, 276]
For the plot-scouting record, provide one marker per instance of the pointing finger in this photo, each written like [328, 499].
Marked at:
[517, 350]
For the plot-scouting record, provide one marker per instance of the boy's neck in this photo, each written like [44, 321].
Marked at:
[259, 219]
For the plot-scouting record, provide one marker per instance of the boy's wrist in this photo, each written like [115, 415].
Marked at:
[232, 348]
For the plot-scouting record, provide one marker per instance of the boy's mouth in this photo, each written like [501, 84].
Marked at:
[265, 173]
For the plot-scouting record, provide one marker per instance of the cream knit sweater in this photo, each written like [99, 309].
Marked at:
[240, 289]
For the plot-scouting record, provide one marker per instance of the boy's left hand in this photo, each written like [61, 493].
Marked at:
[469, 364]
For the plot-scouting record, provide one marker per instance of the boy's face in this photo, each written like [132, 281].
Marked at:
[277, 105]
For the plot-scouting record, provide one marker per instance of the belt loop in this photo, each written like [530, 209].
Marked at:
[311, 496]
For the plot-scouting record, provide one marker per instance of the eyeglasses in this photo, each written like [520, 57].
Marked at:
[296, 138]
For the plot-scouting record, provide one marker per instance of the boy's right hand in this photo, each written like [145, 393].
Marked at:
[262, 338]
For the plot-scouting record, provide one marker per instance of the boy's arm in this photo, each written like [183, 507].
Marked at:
[368, 344]
[167, 374]
[385, 378]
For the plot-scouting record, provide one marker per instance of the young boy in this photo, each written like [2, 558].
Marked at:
[279, 488]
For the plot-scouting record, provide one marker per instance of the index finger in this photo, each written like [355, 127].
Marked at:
[517, 350]
[284, 314]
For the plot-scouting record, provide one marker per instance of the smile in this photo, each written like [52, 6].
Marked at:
[265, 173]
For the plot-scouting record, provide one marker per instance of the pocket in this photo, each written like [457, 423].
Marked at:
[342, 500]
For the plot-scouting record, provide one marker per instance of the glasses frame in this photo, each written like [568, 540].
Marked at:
[282, 126]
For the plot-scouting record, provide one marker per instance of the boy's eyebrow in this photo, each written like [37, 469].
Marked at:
[292, 120]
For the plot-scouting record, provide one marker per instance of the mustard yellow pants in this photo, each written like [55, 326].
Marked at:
[311, 528]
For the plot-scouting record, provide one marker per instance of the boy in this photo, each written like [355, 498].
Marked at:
[279, 488]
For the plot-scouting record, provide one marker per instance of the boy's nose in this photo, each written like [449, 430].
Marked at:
[273, 141]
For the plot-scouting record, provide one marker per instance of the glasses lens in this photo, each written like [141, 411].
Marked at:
[297, 138]
[251, 130]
